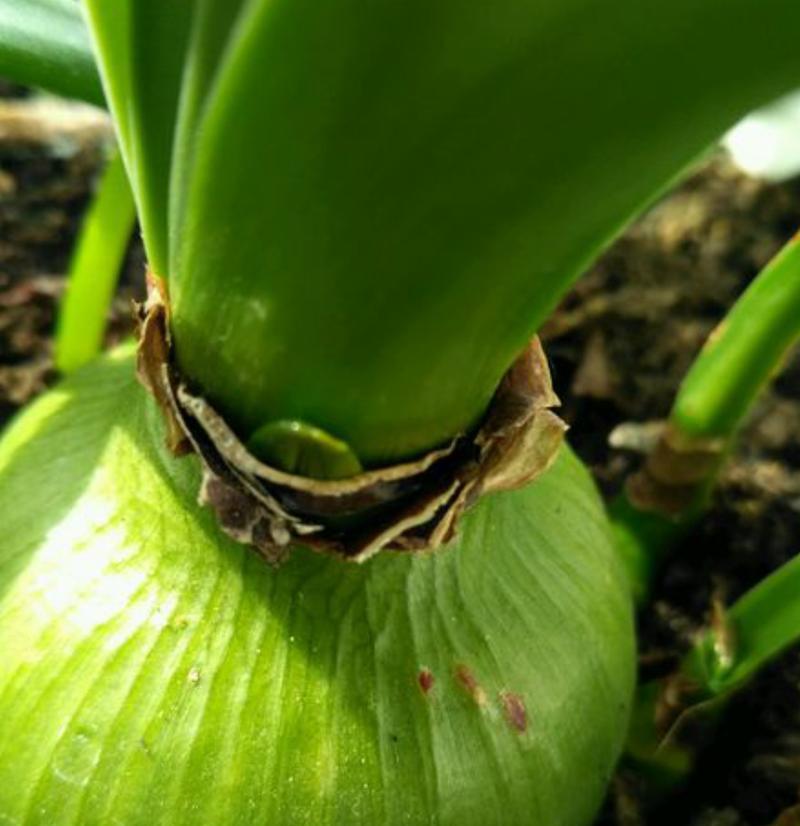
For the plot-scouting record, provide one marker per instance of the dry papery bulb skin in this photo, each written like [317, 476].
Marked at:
[413, 506]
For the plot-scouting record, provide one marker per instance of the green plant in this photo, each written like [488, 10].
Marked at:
[355, 219]
[670, 494]
[740, 357]
[104, 239]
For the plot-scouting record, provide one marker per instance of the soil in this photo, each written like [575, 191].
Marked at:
[619, 345]
[50, 155]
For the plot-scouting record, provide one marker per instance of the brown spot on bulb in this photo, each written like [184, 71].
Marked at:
[470, 684]
[426, 680]
[514, 710]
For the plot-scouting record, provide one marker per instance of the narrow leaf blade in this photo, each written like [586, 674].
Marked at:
[97, 259]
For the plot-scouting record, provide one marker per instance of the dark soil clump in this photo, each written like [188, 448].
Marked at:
[50, 155]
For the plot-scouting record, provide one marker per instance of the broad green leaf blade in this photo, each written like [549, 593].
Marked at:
[44, 43]
[154, 673]
[100, 251]
[388, 201]
[141, 46]
[213, 37]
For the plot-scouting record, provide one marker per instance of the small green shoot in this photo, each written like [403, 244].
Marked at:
[742, 355]
[762, 624]
[745, 351]
[94, 269]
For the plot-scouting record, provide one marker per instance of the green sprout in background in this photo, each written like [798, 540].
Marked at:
[358, 216]
[104, 239]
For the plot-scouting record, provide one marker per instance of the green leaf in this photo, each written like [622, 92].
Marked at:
[763, 622]
[141, 47]
[45, 43]
[109, 27]
[386, 202]
[153, 672]
[744, 353]
[213, 37]
[98, 257]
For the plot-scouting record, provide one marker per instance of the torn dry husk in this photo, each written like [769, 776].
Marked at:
[413, 506]
[675, 474]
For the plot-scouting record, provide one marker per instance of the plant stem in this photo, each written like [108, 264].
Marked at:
[743, 353]
[376, 210]
[642, 540]
[740, 357]
[96, 263]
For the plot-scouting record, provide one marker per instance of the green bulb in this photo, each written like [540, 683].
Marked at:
[155, 672]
